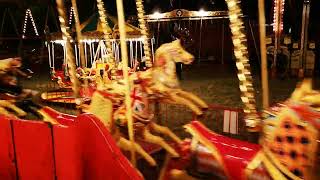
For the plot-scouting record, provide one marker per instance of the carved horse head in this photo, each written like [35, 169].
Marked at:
[172, 52]
[166, 57]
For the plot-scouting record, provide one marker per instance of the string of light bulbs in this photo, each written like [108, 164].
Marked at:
[71, 15]
[29, 15]
[278, 15]
[105, 26]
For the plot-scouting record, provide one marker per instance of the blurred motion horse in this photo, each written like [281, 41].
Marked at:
[287, 150]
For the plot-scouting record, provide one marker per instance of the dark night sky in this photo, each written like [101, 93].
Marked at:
[292, 16]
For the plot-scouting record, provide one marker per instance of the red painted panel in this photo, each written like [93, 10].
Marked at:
[102, 159]
[34, 151]
[236, 154]
[64, 119]
[68, 153]
[7, 166]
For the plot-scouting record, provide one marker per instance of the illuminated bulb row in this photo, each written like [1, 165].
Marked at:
[275, 15]
[25, 22]
[243, 66]
[144, 32]
[278, 11]
[104, 25]
[94, 40]
[281, 18]
[71, 14]
[29, 14]
[90, 40]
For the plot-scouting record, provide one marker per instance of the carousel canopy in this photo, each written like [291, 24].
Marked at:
[92, 29]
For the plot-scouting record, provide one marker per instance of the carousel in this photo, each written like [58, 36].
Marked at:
[117, 129]
[93, 62]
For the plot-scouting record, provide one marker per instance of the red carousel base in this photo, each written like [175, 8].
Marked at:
[79, 148]
[226, 157]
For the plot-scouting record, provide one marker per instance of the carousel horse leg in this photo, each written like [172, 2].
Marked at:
[183, 101]
[126, 145]
[193, 98]
[166, 131]
[3, 111]
[158, 140]
[11, 106]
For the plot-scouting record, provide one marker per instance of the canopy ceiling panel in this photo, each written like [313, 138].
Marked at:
[91, 28]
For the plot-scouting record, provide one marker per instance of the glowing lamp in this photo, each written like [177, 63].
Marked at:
[157, 15]
[202, 12]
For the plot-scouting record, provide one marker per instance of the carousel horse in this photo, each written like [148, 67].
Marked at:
[161, 82]
[158, 82]
[287, 150]
[9, 64]
[9, 88]
[164, 82]
[15, 101]
[110, 108]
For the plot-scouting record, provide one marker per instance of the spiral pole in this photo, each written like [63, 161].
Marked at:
[69, 56]
[243, 66]
[104, 25]
[144, 32]
[79, 34]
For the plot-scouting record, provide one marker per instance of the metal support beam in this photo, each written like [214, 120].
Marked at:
[222, 43]
[304, 33]
[200, 42]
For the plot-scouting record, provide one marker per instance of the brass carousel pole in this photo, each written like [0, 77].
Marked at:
[79, 34]
[304, 37]
[69, 56]
[124, 57]
[263, 52]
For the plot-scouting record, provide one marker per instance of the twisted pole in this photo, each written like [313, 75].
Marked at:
[69, 55]
[78, 31]
[144, 32]
[104, 25]
[242, 63]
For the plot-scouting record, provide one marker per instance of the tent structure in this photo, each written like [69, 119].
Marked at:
[94, 45]
[91, 29]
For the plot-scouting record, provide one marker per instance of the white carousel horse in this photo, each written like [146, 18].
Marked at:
[164, 82]
[160, 82]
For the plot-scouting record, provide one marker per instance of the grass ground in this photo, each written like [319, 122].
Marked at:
[215, 83]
